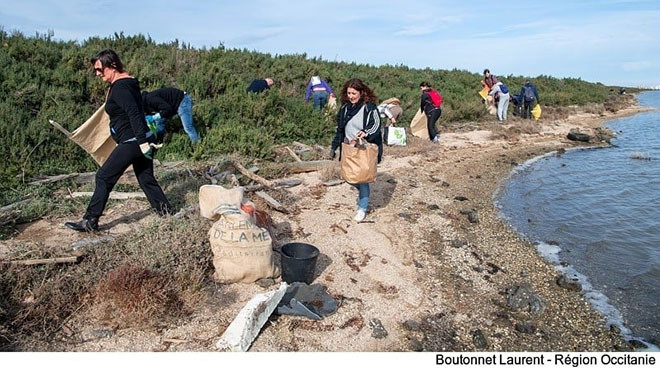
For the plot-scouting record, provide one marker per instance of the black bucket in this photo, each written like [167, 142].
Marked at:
[298, 262]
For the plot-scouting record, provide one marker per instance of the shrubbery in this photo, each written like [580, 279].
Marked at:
[42, 79]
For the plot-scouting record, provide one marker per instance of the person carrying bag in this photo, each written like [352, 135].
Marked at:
[358, 121]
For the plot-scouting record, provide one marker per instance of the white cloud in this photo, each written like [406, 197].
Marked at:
[639, 65]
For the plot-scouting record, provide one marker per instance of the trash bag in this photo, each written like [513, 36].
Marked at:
[536, 112]
[358, 163]
[418, 126]
[395, 136]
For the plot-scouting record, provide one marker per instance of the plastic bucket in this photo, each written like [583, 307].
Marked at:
[298, 262]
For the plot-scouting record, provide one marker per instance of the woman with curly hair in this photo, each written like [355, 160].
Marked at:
[358, 118]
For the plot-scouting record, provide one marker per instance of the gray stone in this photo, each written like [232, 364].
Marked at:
[636, 344]
[411, 325]
[479, 340]
[460, 198]
[416, 345]
[524, 298]
[377, 328]
[577, 136]
[102, 333]
[571, 284]
[457, 243]
[526, 328]
[433, 207]
[472, 217]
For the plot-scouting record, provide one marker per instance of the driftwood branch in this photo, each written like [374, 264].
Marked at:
[302, 145]
[66, 259]
[307, 166]
[184, 212]
[11, 207]
[113, 195]
[55, 178]
[267, 183]
[60, 128]
[293, 154]
[272, 202]
[333, 182]
[279, 183]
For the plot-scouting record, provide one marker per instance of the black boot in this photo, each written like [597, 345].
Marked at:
[85, 225]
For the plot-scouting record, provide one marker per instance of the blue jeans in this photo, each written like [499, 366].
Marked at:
[185, 114]
[363, 195]
[320, 98]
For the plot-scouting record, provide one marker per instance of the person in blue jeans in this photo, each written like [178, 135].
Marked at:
[162, 104]
[358, 118]
[319, 90]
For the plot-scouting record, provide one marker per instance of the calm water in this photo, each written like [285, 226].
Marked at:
[594, 213]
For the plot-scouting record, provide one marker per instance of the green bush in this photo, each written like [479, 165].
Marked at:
[42, 79]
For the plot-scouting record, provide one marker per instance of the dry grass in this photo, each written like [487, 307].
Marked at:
[137, 297]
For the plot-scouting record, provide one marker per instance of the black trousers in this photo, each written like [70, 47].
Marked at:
[431, 118]
[120, 159]
[527, 109]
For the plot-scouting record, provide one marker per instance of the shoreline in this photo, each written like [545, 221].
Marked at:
[567, 305]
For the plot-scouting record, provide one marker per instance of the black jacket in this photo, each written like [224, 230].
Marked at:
[125, 108]
[371, 126]
[257, 86]
[165, 101]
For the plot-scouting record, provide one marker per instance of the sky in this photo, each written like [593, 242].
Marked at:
[616, 42]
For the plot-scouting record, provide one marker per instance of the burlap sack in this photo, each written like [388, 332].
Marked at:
[358, 164]
[392, 100]
[418, 125]
[94, 136]
[212, 196]
[242, 251]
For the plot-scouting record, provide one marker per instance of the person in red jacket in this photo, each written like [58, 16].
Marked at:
[431, 104]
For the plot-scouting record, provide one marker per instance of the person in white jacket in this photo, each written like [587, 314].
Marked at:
[500, 92]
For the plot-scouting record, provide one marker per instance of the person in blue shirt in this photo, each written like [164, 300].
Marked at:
[259, 85]
[319, 90]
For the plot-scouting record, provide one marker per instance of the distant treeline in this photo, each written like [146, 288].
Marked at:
[43, 79]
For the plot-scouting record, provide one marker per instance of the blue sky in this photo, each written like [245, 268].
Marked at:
[616, 42]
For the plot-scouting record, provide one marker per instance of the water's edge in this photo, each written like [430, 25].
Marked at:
[550, 252]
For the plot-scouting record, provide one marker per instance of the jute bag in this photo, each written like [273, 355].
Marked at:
[94, 136]
[418, 126]
[242, 251]
[212, 196]
[358, 163]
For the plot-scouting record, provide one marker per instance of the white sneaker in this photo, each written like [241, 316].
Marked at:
[436, 140]
[361, 214]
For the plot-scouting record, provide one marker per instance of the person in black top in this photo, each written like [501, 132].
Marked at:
[259, 85]
[431, 110]
[128, 128]
[162, 104]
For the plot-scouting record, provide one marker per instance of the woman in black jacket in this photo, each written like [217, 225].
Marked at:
[128, 128]
[358, 118]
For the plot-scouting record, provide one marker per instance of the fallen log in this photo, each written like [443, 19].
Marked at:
[302, 145]
[279, 183]
[113, 195]
[267, 183]
[293, 154]
[53, 179]
[65, 259]
[10, 207]
[308, 166]
[333, 182]
[272, 202]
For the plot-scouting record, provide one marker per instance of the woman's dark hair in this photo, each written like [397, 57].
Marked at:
[486, 71]
[366, 94]
[109, 58]
[425, 84]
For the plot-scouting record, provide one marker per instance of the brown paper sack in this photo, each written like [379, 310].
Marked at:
[94, 136]
[242, 251]
[418, 125]
[358, 164]
[212, 196]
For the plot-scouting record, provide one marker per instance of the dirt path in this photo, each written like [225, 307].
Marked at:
[431, 262]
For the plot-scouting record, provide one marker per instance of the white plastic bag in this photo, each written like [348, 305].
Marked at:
[396, 136]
